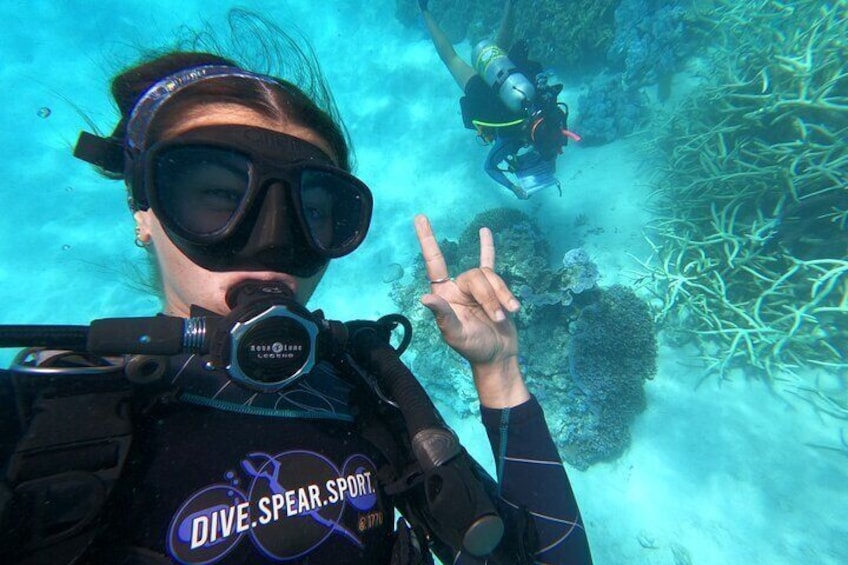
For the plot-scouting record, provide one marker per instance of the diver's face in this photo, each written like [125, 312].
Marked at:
[184, 282]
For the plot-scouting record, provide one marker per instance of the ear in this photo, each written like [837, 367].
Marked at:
[144, 220]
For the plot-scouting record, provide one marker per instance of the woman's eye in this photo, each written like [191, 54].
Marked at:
[221, 197]
[224, 193]
[315, 213]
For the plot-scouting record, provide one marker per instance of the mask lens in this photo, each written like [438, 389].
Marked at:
[200, 189]
[336, 210]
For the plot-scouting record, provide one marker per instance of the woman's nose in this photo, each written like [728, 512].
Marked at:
[272, 230]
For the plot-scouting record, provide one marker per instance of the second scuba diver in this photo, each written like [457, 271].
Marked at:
[509, 102]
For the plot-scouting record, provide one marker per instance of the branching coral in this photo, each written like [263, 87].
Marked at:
[751, 247]
[842, 449]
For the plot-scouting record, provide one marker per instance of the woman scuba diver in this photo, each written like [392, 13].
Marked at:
[241, 191]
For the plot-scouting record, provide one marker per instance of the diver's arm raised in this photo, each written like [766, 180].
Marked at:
[471, 314]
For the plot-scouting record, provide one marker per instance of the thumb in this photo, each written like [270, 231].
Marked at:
[443, 313]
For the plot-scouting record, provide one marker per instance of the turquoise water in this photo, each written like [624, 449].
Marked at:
[743, 470]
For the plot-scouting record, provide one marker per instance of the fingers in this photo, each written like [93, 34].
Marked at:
[504, 295]
[446, 318]
[487, 249]
[490, 291]
[434, 261]
[483, 285]
[496, 289]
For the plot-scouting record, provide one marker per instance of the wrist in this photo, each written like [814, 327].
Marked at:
[500, 384]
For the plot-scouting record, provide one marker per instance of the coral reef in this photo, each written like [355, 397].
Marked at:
[578, 36]
[606, 358]
[608, 111]
[586, 350]
[592, 370]
[613, 350]
[751, 248]
[568, 37]
[580, 273]
[652, 39]
[516, 233]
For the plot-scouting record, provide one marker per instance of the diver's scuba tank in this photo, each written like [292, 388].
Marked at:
[491, 62]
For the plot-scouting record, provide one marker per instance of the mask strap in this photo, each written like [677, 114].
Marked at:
[103, 152]
[153, 98]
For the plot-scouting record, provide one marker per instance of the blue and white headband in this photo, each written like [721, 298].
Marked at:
[153, 98]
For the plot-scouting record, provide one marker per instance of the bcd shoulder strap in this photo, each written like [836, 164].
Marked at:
[75, 440]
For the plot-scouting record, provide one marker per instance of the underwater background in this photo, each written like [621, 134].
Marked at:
[685, 299]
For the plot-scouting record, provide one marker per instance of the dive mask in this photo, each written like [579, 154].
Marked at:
[236, 197]
[246, 198]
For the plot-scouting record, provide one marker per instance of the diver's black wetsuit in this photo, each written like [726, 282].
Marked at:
[530, 473]
[230, 476]
[482, 103]
[510, 132]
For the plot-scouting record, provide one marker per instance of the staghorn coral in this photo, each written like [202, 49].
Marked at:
[750, 247]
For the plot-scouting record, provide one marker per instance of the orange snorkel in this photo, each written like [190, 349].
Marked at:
[566, 133]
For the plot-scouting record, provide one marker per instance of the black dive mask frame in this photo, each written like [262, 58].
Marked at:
[255, 238]
[253, 241]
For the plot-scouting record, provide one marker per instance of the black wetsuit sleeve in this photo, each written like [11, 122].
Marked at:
[531, 475]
